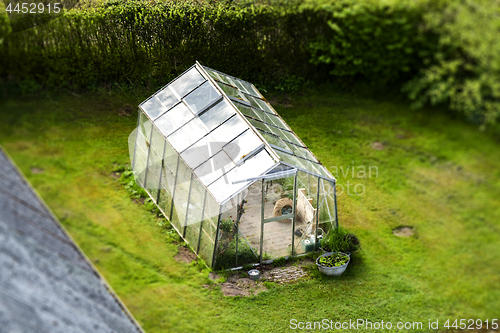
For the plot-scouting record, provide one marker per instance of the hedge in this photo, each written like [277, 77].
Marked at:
[444, 51]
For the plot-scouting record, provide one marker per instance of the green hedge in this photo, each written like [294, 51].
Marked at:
[445, 51]
[150, 43]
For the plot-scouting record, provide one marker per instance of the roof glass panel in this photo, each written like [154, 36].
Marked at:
[215, 167]
[201, 151]
[259, 103]
[201, 97]
[167, 97]
[216, 115]
[242, 145]
[231, 91]
[153, 107]
[229, 130]
[247, 110]
[173, 119]
[250, 88]
[223, 188]
[187, 134]
[187, 82]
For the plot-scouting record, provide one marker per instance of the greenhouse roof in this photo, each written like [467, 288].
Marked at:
[225, 131]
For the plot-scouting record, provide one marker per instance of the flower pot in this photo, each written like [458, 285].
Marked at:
[332, 271]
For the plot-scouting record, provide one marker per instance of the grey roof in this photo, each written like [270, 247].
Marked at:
[46, 283]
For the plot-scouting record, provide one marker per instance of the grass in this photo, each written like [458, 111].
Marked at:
[437, 174]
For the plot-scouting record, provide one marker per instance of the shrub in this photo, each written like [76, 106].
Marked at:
[368, 39]
[464, 72]
[340, 240]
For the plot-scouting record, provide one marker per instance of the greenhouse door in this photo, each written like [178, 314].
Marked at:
[279, 192]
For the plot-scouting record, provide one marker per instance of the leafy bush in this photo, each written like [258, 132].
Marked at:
[340, 240]
[368, 39]
[464, 72]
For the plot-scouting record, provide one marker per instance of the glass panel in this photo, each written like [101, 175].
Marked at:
[173, 119]
[201, 97]
[215, 167]
[153, 174]
[223, 188]
[209, 229]
[144, 125]
[167, 97]
[242, 145]
[213, 74]
[196, 198]
[248, 111]
[217, 115]
[187, 82]
[229, 130]
[290, 159]
[154, 163]
[250, 88]
[292, 138]
[153, 107]
[230, 91]
[201, 151]
[326, 204]
[265, 106]
[181, 195]
[226, 252]
[240, 86]
[187, 134]
[249, 225]
[273, 139]
[194, 217]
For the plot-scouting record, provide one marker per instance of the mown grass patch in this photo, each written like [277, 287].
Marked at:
[437, 174]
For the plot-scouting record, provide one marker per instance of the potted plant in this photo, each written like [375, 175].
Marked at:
[339, 240]
[333, 263]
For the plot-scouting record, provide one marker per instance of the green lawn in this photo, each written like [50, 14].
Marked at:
[435, 173]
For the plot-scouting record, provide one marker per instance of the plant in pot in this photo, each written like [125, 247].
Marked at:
[338, 244]
[333, 263]
[339, 240]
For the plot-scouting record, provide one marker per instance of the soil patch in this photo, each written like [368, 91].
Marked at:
[36, 170]
[184, 255]
[405, 231]
[378, 146]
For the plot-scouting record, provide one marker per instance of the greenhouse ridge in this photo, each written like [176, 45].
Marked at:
[203, 142]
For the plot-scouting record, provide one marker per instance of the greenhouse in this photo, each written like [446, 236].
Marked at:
[229, 174]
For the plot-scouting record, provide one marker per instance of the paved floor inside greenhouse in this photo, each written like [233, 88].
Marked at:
[277, 235]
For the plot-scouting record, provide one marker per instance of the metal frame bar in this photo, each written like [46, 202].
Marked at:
[262, 222]
[201, 222]
[276, 175]
[294, 210]
[335, 203]
[278, 218]
[306, 171]
[223, 202]
[187, 206]
[136, 135]
[161, 171]
[147, 159]
[216, 245]
[175, 186]
[317, 215]
[238, 215]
